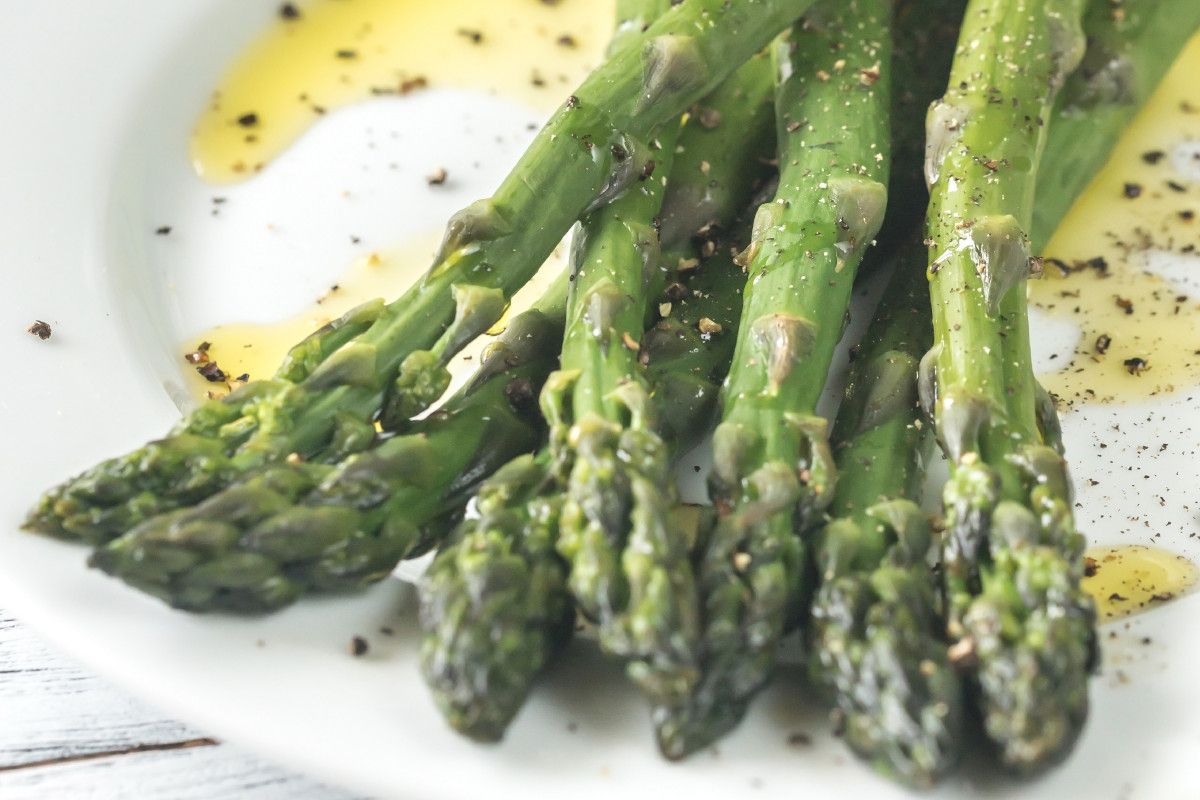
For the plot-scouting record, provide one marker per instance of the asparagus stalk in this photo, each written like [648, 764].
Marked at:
[875, 630]
[881, 461]
[391, 359]
[493, 601]
[260, 544]
[496, 606]
[1019, 620]
[772, 466]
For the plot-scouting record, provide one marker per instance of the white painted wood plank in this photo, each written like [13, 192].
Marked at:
[54, 709]
[198, 773]
[67, 733]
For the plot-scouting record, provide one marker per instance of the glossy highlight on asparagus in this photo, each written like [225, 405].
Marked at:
[772, 468]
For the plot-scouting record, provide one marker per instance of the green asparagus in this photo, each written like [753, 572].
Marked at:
[1012, 559]
[391, 360]
[772, 467]
[881, 462]
[496, 606]
[253, 548]
[484, 646]
[875, 630]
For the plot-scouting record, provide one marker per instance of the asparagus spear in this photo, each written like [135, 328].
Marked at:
[875, 631]
[346, 536]
[493, 601]
[881, 461]
[251, 548]
[1012, 558]
[391, 359]
[772, 467]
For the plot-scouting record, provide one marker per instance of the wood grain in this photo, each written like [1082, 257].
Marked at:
[67, 733]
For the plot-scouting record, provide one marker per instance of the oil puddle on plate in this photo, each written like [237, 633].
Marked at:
[1123, 270]
[1130, 579]
[323, 55]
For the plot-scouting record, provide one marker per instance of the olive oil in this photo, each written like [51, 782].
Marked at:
[1130, 579]
[321, 55]
[258, 349]
[1140, 332]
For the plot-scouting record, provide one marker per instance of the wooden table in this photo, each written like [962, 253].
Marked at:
[65, 733]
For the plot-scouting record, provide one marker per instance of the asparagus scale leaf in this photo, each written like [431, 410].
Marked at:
[772, 468]
[391, 359]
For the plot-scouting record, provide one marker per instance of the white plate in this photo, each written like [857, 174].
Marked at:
[98, 100]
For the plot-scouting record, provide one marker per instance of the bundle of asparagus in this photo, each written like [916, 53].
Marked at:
[545, 483]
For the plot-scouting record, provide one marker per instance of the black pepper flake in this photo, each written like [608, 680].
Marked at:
[471, 34]
[619, 153]
[347, 54]
[566, 40]
[162, 230]
[1102, 343]
[211, 372]
[289, 11]
[1153, 156]
[40, 329]
[248, 120]
[1124, 303]
[412, 84]
[1090, 567]
[199, 355]
[676, 291]
[1133, 190]
[1176, 186]
[1187, 215]
[799, 739]
[572, 101]
[359, 647]
[1136, 365]
[521, 396]
[1117, 598]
